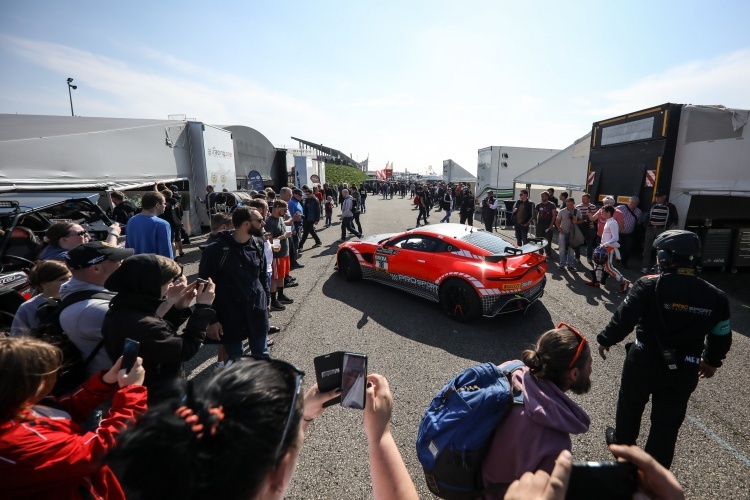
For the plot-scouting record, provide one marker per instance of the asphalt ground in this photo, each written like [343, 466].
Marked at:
[418, 349]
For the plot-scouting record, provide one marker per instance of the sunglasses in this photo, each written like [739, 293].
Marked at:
[289, 369]
[78, 233]
[581, 345]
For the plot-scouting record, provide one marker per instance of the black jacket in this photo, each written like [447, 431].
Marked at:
[123, 212]
[696, 314]
[242, 288]
[132, 314]
[311, 208]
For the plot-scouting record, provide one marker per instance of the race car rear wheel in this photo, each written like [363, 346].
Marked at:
[349, 267]
[460, 301]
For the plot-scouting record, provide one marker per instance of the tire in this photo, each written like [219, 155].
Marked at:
[459, 300]
[349, 267]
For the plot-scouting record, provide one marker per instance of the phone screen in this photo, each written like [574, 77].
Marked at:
[354, 381]
[129, 354]
[595, 480]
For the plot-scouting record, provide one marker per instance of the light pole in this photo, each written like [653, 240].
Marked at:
[70, 86]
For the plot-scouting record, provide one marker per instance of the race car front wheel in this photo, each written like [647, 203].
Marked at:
[349, 267]
[460, 301]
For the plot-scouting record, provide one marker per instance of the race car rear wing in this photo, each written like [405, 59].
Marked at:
[534, 245]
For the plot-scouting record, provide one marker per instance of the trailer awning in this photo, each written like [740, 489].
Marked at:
[567, 169]
[99, 186]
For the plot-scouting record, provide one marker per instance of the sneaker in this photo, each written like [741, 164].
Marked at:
[593, 283]
[283, 299]
[219, 365]
[273, 329]
[624, 286]
[644, 270]
[270, 342]
[297, 266]
[609, 436]
[317, 244]
[290, 284]
[572, 269]
[276, 306]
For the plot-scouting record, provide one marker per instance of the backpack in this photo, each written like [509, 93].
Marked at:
[73, 371]
[416, 200]
[456, 430]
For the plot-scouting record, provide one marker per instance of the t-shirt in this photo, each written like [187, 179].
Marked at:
[149, 234]
[276, 227]
[544, 213]
[566, 218]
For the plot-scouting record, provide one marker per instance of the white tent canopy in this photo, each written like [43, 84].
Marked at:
[71, 152]
[567, 169]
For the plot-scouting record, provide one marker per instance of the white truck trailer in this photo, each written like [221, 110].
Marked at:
[699, 156]
[498, 166]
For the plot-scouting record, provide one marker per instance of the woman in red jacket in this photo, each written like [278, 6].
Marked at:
[43, 451]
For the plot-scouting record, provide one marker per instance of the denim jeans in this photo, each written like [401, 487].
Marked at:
[522, 234]
[347, 225]
[567, 256]
[447, 217]
[257, 338]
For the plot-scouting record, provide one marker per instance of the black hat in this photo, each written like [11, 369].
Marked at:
[660, 193]
[297, 191]
[94, 252]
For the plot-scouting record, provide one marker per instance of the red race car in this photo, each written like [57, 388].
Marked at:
[470, 272]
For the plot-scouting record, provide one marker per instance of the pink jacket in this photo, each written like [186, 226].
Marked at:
[533, 434]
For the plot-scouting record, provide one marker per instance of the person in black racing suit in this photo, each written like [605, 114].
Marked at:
[682, 334]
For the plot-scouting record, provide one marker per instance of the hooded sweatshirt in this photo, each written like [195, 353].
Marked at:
[533, 434]
[133, 315]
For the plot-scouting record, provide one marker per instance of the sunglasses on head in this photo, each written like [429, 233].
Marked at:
[289, 369]
[581, 345]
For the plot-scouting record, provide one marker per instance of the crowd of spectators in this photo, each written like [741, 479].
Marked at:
[113, 432]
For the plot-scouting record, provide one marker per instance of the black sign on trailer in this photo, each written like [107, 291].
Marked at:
[633, 154]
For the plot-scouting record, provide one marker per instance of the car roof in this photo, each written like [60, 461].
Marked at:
[32, 201]
[450, 230]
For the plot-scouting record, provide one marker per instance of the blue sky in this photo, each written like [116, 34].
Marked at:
[409, 82]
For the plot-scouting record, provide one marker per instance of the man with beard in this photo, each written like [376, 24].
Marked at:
[236, 263]
[533, 434]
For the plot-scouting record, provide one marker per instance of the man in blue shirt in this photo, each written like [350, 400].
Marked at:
[146, 232]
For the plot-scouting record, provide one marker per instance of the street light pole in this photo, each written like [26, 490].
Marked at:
[70, 95]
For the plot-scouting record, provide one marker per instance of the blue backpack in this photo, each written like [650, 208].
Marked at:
[457, 428]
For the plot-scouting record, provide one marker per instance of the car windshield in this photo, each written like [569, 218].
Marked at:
[487, 241]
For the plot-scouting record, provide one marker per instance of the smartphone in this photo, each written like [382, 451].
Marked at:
[129, 353]
[354, 381]
[201, 281]
[328, 374]
[594, 480]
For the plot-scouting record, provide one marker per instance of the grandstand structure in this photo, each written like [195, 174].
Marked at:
[329, 155]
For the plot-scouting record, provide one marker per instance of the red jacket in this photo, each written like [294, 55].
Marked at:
[51, 457]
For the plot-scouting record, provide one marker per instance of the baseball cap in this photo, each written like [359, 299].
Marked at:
[94, 252]
[660, 193]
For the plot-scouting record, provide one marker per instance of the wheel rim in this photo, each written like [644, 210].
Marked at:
[455, 301]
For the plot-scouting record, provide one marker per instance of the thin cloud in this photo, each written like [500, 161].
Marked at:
[722, 80]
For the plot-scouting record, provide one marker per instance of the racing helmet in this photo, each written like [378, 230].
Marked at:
[600, 256]
[677, 246]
